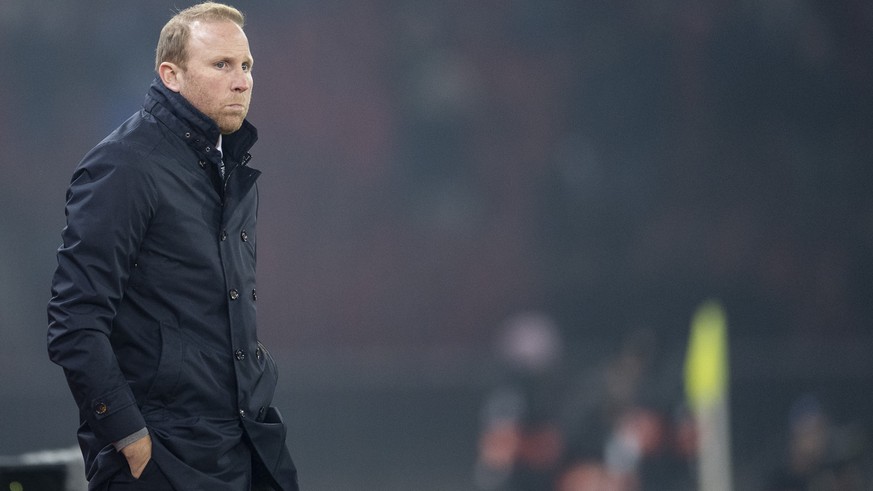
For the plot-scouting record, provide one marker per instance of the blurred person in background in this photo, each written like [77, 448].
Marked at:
[622, 426]
[520, 442]
[822, 456]
[152, 315]
[616, 426]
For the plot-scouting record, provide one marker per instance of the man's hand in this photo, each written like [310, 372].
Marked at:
[138, 455]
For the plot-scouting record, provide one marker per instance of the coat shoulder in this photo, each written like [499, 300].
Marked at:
[127, 148]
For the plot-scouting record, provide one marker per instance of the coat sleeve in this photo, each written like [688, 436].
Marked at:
[109, 204]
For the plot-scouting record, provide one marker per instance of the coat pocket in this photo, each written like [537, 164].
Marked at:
[262, 385]
[268, 439]
[163, 388]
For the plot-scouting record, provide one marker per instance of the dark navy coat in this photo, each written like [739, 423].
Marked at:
[153, 303]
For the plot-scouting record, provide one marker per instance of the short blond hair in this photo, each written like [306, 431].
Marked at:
[173, 42]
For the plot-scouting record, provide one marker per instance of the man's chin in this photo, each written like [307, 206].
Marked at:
[227, 128]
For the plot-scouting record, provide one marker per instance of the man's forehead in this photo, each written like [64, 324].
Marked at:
[216, 37]
[212, 32]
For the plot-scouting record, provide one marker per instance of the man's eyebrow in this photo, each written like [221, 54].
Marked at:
[228, 57]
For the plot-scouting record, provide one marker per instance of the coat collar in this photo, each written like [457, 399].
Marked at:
[194, 127]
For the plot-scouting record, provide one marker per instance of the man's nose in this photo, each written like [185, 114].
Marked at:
[242, 81]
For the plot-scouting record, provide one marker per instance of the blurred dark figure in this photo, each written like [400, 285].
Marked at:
[520, 443]
[615, 428]
[821, 456]
[624, 424]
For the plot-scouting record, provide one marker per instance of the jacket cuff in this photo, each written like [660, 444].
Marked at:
[115, 416]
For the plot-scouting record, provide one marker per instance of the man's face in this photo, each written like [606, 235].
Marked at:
[217, 78]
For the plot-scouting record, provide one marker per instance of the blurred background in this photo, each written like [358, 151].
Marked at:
[485, 227]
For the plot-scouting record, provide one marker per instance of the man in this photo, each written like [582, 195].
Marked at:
[152, 313]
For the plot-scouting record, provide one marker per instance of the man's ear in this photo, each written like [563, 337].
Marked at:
[170, 74]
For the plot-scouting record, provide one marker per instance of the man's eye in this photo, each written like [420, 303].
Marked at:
[246, 67]
[220, 64]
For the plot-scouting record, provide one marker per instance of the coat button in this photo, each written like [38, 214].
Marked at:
[240, 354]
[244, 236]
[223, 235]
[233, 294]
[254, 295]
[258, 353]
[242, 413]
[101, 408]
[202, 164]
[208, 149]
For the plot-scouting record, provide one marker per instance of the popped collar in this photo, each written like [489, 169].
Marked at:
[197, 129]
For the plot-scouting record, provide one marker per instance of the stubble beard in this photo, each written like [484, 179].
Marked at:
[227, 122]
